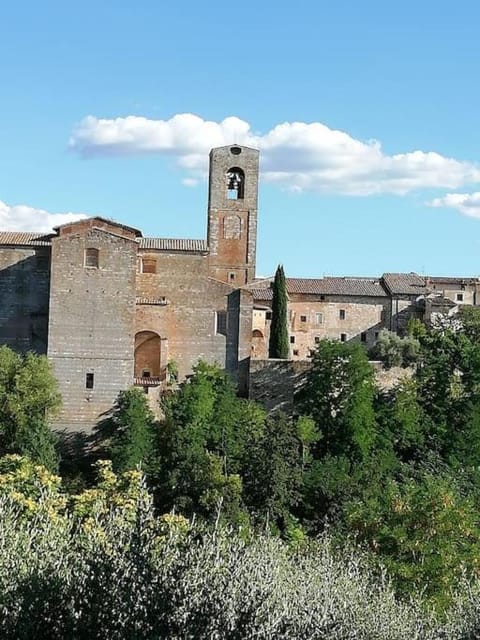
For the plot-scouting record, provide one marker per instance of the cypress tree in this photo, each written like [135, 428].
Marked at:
[279, 346]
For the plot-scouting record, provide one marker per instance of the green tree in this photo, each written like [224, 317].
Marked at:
[424, 530]
[132, 426]
[203, 444]
[338, 395]
[273, 472]
[28, 397]
[278, 346]
[395, 351]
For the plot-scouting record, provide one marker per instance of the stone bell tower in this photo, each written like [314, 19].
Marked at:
[232, 213]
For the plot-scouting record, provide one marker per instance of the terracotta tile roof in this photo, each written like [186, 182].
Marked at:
[334, 286]
[262, 294]
[174, 244]
[137, 232]
[24, 239]
[404, 283]
[339, 286]
[450, 280]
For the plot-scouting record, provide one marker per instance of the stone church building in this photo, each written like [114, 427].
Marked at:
[112, 308]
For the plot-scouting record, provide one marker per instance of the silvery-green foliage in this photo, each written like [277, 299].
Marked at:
[129, 579]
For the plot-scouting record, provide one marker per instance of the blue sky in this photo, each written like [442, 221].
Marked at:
[380, 173]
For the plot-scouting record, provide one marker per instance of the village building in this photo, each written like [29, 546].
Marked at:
[112, 308]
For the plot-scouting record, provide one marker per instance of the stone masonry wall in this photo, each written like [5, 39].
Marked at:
[232, 224]
[92, 316]
[273, 383]
[187, 320]
[24, 294]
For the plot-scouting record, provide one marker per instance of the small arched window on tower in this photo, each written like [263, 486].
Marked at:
[91, 258]
[235, 183]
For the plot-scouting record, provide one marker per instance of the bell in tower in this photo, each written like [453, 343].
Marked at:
[232, 213]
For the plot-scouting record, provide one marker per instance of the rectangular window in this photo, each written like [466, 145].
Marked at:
[322, 297]
[91, 258]
[317, 339]
[341, 314]
[149, 265]
[268, 315]
[295, 352]
[459, 297]
[319, 318]
[343, 337]
[231, 277]
[303, 318]
[292, 339]
[363, 336]
[89, 381]
[376, 335]
[221, 322]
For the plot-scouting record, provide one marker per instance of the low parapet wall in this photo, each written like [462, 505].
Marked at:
[273, 383]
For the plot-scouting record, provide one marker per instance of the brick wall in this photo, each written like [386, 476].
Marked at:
[92, 322]
[232, 224]
[24, 295]
[184, 315]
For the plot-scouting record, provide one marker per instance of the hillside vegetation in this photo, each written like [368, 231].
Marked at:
[357, 517]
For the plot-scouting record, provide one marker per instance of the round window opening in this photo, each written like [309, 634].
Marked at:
[236, 151]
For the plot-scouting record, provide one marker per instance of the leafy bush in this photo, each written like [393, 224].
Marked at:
[123, 578]
[395, 351]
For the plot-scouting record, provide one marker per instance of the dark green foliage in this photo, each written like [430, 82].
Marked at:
[28, 395]
[202, 446]
[132, 427]
[338, 395]
[278, 346]
[273, 471]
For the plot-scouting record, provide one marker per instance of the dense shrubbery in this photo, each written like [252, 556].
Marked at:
[395, 471]
[395, 351]
[74, 569]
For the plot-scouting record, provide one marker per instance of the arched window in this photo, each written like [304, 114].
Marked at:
[147, 354]
[235, 183]
[91, 257]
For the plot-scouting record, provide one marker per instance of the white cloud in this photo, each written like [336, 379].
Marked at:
[296, 155]
[466, 203]
[24, 218]
[190, 182]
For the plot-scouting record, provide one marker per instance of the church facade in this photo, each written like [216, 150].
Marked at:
[112, 308]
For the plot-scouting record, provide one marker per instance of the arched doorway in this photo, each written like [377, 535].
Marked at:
[258, 345]
[147, 354]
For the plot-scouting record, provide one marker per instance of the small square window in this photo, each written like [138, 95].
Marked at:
[322, 297]
[231, 277]
[295, 352]
[268, 315]
[89, 379]
[292, 339]
[303, 318]
[149, 265]
[317, 339]
[459, 297]
[363, 336]
[341, 314]
[343, 337]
